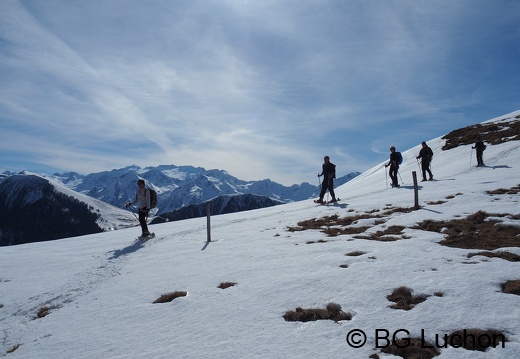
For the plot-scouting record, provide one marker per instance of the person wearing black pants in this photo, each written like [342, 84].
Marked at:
[329, 173]
[143, 197]
[394, 166]
[480, 147]
[426, 155]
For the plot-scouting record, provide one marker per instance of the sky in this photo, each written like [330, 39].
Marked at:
[99, 288]
[261, 89]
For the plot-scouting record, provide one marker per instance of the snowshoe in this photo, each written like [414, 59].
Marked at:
[145, 237]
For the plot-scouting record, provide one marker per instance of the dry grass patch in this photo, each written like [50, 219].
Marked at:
[476, 339]
[355, 253]
[511, 287]
[451, 196]
[504, 255]
[225, 285]
[412, 348]
[318, 241]
[44, 311]
[512, 190]
[13, 349]
[492, 133]
[168, 297]
[432, 203]
[332, 311]
[475, 232]
[403, 299]
[335, 225]
[385, 236]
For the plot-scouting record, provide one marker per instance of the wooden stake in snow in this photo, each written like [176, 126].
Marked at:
[208, 215]
[415, 189]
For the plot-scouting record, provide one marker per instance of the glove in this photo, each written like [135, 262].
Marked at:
[127, 205]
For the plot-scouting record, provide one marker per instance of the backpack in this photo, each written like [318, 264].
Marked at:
[153, 198]
[334, 167]
[400, 156]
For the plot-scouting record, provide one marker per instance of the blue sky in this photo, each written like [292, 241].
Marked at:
[259, 88]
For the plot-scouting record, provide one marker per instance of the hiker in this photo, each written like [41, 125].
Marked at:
[143, 197]
[426, 155]
[480, 147]
[395, 161]
[328, 172]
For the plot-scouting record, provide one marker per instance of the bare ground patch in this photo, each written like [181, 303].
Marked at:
[504, 255]
[335, 225]
[492, 133]
[13, 348]
[403, 298]
[499, 191]
[318, 241]
[476, 339]
[387, 235]
[225, 285]
[45, 311]
[168, 297]
[475, 232]
[511, 287]
[332, 311]
[411, 348]
[355, 253]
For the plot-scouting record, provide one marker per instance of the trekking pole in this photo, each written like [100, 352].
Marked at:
[402, 182]
[470, 156]
[386, 177]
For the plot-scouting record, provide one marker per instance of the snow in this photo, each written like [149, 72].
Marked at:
[100, 288]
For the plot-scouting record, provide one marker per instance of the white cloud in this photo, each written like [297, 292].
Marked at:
[200, 83]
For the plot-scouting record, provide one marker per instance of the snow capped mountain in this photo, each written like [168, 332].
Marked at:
[182, 186]
[369, 277]
[34, 208]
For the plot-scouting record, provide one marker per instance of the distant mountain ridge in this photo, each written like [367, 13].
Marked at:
[182, 186]
[36, 207]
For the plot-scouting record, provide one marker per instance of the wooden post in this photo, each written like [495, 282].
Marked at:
[415, 189]
[208, 215]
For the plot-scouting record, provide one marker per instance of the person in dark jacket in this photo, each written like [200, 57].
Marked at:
[329, 173]
[142, 197]
[395, 159]
[426, 155]
[480, 147]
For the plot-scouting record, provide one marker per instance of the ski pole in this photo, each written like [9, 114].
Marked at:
[386, 177]
[402, 182]
[470, 156]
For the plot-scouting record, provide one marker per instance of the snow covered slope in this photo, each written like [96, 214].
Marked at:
[93, 298]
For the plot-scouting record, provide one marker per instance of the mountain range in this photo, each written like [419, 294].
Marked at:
[37, 207]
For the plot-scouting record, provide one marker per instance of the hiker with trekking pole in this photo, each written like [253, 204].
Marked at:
[142, 197]
[425, 155]
[329, 173]
[395, 160]
[479, 147]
